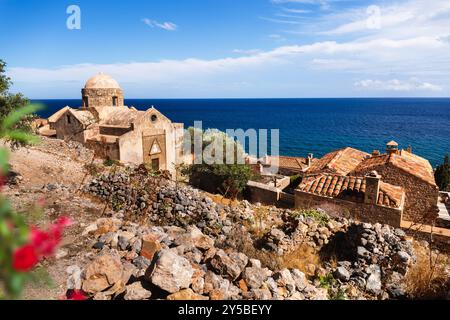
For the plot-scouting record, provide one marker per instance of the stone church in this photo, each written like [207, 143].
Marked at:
[117, 132]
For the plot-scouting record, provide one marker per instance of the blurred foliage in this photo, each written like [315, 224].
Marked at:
[14, 231]
[10, 102]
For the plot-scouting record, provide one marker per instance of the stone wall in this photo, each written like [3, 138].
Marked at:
[262, 193]
[421, 197]
[347, 209]
[287, 199]
[69, 128]
[101, 97]
[104, 150]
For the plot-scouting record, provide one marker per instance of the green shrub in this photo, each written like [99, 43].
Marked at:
[227, 179]
[321, 217]
[442, 175]
[110, 163]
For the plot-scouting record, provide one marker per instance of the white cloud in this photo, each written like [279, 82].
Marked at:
[247, 52]
[410, 85]
[412, 43]
[282, 21]
[171, 69]
[324, 4]
[295, 10]
[336, 64]
[168, 26]
[417, 17]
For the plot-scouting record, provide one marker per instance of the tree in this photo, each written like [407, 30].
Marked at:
[442, 174]
[10, 102]
[228, 179]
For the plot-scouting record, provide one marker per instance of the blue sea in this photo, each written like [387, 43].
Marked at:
[316, 126]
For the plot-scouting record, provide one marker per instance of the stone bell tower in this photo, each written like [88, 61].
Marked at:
[102, 91]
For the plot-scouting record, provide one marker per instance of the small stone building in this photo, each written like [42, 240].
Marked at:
[413, 173]
[117, 132]
[363, 198]
[398, 183]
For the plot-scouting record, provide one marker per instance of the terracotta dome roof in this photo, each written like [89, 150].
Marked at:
[101, 81]
[392, 144]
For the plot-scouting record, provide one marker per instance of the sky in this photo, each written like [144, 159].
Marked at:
[229, 48]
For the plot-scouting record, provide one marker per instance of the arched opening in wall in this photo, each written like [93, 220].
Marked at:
[115, 101]
[86, 102]
[68, 119]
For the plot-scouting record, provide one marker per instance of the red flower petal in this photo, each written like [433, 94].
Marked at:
[76, 295]
[25, 258]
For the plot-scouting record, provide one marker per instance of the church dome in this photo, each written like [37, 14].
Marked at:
[101, 81]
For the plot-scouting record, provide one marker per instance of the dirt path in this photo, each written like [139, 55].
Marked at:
[52, 173]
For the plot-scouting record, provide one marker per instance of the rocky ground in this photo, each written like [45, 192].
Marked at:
[137, 236]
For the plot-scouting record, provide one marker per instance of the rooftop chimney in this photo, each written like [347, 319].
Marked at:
[373, 180]
[309, 159]
[392, 148]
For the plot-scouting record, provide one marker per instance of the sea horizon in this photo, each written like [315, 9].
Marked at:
[314, 125]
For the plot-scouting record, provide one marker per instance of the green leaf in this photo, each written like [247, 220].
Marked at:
[15, 117]
[41, 277]
[4, 161]
[21, 136]
[16, 283]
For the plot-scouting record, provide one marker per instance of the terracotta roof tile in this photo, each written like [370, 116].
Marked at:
[404, 160]
[291, 163]
[340, 161]
[350, 188]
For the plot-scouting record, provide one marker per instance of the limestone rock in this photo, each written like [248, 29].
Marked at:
[342, 274]
[186, 295]
[170, 272]
[284, 279]
[136, 291]
[74, 280]
[104, 272]
[255, 277]
[373, 283]
[230, 265]
[105, 225]
[150, 246]
[300, 279]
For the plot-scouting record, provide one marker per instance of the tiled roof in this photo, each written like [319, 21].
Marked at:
[350, 188]
[341, 161]
[404, 160]
[392, 144]
[292, 163]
